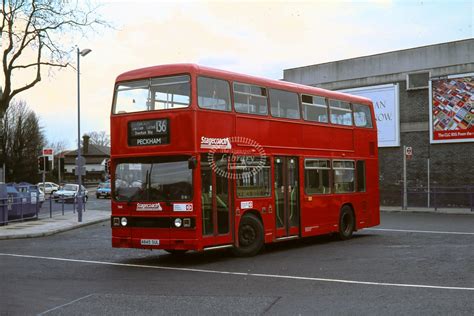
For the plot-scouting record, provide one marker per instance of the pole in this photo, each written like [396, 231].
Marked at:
[429, 188]
[44, 175]
[59, 170]
[405, 202]
[78, 166]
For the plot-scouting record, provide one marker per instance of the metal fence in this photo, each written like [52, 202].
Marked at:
[18, 209]
[441, 197]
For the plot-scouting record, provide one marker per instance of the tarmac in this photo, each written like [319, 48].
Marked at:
[50, 226]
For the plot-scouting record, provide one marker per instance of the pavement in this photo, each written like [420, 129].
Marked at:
[50, 226]
[56, 224]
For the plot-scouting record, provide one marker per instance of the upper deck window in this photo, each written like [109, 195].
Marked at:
[314, 108]
[284, 104]
[362, 115]
[250, 99]
[341, 112]
[152, 94]
[213, 94]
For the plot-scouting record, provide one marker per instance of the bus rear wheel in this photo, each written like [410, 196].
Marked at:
[346, 223]
[250, 236]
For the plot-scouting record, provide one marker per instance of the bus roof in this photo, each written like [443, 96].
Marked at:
[170, 69]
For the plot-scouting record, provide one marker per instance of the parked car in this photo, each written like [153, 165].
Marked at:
[103, 190]
[68, 193]
[49, 187]
[23, 199]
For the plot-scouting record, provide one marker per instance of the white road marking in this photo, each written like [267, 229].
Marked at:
[418, 231]
[274, 276]
[61, 306]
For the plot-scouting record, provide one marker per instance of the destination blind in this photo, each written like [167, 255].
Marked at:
[148, 133]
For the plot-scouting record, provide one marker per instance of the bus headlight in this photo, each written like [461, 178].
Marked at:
[123, 221]
[178, 222]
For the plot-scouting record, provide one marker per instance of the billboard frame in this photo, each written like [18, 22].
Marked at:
[430, 94]
[396, 141]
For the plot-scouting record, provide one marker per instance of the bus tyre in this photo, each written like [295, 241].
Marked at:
[346, 223]
[176, 252]
[250, 236]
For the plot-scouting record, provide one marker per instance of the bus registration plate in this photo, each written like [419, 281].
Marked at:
[150, 242]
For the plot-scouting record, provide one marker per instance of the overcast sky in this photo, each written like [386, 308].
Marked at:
[253, 37]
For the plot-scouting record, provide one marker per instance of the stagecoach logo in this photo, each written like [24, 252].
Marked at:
[215, 143]
[245, 159]
[149, 207]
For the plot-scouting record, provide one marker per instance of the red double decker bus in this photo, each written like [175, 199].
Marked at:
[203, 159]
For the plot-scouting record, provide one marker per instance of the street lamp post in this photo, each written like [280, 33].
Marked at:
[79, 162]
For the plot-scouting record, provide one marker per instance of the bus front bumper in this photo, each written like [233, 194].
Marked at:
[155, 243]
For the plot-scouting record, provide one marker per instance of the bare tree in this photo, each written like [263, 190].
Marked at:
[99, 138]
[36, 26]
[58, 146]
[21, 143]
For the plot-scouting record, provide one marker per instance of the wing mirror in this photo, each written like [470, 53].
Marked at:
[192, 162]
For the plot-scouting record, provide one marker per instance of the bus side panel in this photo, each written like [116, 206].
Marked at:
[214, 124]
[373, 191]
[327, 138]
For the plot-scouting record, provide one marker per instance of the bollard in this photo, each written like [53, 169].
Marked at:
[21, 208]
[62, 205]
[472, 200]
[434, 199]
[74, 205]
[50, 208]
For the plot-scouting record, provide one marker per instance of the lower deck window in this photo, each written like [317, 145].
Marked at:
[316, 173]
[361, 176]
[343, 176]
[253, 177]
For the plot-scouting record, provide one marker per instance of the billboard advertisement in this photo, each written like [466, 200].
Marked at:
[452, 109]
[387, 110]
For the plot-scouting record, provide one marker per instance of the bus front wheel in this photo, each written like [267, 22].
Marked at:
[250, 236]
[346, 223]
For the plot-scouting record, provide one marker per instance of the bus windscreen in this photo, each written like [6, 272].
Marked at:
[153, 181]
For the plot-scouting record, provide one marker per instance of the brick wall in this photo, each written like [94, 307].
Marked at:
[452, 165]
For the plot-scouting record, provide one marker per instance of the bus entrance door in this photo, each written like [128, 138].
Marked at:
[215, 201]
[287, 208]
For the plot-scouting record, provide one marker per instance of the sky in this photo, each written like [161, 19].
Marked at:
[253, 37]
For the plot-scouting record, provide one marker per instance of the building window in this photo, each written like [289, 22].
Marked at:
[213, 94]
[343, 176]
[341, 112]
[314, 108]
[316, 174]
[362, 115]
[284, 104]
[418, 80]
[250, 99]
[360, 176]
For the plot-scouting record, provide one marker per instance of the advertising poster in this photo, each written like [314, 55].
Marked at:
[386, 106]
[452, 109]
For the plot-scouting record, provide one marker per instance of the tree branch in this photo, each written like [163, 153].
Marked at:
[38, 73]
[42, 64]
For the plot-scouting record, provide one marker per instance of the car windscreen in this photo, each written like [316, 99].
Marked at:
[156, 179]
[69, 187]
